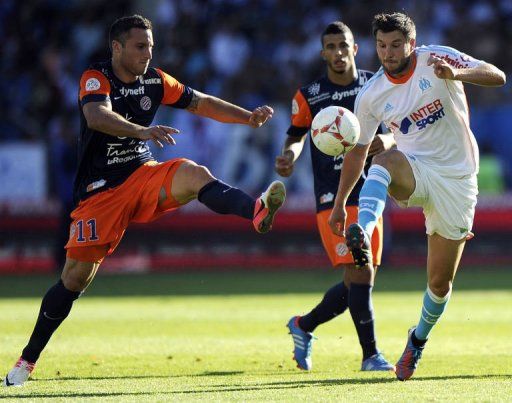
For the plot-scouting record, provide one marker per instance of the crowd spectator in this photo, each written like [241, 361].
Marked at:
[247, 51]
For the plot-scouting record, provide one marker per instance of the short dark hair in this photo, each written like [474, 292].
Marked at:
[394, 22]
[336, 27]
[121, 27]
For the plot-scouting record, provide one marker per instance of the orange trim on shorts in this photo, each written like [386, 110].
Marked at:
[92, 254]
[335, 245]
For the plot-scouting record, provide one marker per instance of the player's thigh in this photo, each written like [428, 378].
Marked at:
[442, 262]
[187, 181]
[354, 275]
[402, 177]
[77, 275]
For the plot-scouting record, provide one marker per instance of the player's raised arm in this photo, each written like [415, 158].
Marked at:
[101, 117]
[226, 112]
[484, 73]
[292, 149]
[353, 165]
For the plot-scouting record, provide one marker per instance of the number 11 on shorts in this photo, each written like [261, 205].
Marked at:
[92, 229]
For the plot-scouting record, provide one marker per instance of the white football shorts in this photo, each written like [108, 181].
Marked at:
[448, 203]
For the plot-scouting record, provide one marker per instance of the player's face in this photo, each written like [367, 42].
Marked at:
[339, 52]
[135, 55]
[394, 51]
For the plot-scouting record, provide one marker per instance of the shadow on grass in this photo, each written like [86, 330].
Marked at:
[247, 282]
[251, 387]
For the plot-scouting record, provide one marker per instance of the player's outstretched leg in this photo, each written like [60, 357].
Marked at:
[359, 244]
[267, 205]
[303, 342]
[408, 362]
[55, 307]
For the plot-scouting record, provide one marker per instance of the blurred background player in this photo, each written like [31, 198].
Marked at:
[118, 181]
[339, 87]
[419, 95]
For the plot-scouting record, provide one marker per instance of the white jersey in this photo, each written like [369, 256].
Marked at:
[428, 116]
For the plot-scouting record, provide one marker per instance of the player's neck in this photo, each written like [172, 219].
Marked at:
[346, 78]
[122, 74]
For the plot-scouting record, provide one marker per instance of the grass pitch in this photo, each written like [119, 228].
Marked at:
[222, 337]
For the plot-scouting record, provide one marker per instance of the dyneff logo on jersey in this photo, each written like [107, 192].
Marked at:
[426, 115]
[131, 91]
[338, 95]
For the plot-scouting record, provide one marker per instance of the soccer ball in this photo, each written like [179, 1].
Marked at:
[335, 130]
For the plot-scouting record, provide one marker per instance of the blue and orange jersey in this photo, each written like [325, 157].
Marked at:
[106, 161]
[307, 102]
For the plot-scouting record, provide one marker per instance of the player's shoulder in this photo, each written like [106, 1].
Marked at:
[372, 82]
[313, 88]
[445, 52]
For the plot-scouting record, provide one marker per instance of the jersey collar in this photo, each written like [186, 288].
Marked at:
[405, 78]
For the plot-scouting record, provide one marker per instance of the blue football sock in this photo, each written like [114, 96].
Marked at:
[334, 303]
[433, 308]
[224, 199]
[372, 198]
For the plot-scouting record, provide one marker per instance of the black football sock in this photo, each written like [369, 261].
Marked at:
[55, 308]
[224, 199]
[334, 303]
[361, 310]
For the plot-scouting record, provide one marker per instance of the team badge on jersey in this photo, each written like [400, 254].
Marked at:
[424, 84]
[145, 103]
[295, 107]
[92, 84]
[314, 89]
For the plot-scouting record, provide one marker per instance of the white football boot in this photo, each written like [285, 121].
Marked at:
[19, 374]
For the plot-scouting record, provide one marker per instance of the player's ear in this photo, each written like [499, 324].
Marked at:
[356, 48]
[116, 46]
[412, 42]
[322, 54]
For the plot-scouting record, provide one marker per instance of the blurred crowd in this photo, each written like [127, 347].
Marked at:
[250, 52]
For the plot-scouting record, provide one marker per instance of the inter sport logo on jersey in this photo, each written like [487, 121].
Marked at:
[426, 115]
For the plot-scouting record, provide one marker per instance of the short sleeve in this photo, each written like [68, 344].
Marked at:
[94, 87]
[175, 93]
[301, 116]
[368, 122]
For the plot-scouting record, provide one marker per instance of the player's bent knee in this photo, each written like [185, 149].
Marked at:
[77, 275]
[440, 287]
[189, 179]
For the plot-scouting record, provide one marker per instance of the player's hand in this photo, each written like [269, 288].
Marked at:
[337, 220]
[159, 134]
[260, 115]
[380, 143]
[284, 164]
[441, 69]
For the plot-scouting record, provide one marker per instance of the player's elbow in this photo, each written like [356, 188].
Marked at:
[502, 78]
[93, 117]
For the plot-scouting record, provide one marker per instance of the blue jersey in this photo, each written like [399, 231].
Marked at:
[307, 102]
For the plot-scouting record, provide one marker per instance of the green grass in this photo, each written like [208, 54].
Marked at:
[222, 337]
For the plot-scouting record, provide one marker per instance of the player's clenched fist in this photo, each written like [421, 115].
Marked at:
[337, 220]
[260, 115]
[441, 69]
[284, 164]
[159, 134]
